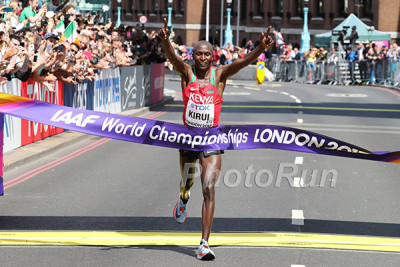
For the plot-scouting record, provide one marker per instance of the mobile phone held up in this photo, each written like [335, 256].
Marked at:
[48, 48]
[8, 9]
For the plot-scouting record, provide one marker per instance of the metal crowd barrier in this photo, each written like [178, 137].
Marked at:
[384, 72]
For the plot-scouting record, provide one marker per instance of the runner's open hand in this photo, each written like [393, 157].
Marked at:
[266, 40]
[164, 32]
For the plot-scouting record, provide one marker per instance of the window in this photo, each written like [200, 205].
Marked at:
[343, 7]
[320, 8]
[279, 7]
[142, 4]
[243, 10]
[260, 8]
[130, 6]
[299, 7]
[367, 9]
[155, 6]
[181, 6]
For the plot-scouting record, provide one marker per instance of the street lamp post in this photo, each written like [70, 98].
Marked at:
[228, 31]
[77, 5]
[119, 13]
[305, 35]
[169, 24]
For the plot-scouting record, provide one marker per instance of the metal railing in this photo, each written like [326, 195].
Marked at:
[344, 72]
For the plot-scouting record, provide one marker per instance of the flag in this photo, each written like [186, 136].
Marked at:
[70, 34]
[60, 27]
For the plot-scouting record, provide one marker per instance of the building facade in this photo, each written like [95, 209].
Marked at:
[250, 18]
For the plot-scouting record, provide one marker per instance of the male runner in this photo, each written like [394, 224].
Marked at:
[202, 89]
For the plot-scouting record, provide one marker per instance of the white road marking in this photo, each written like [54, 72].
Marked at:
[284, 93]
[299, 120]
[298, 101]
[252, 88]
[297, 217]
[236, 93]
[346, 95]
[297, 265]
[271, 91]
[298, 160]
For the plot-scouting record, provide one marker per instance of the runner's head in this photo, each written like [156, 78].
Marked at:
[203, 55]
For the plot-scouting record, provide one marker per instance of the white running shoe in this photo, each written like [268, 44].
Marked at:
[180, 211]
[204, 252]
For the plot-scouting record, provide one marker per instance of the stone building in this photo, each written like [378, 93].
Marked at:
[254, 16]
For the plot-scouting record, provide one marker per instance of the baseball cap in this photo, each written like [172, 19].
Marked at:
[51, 35]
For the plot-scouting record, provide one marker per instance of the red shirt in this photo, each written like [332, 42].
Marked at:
[202, 104]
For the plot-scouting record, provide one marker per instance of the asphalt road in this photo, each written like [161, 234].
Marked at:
[115, 186]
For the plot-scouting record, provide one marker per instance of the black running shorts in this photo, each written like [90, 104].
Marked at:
[193, 155]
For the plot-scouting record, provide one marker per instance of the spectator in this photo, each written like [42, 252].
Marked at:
[249, 47]
[311, 64]
[279, 41]
[353, 38]
[362, 63]
[351, 58]
[28, 15]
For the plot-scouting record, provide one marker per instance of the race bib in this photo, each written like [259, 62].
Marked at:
[199, 115]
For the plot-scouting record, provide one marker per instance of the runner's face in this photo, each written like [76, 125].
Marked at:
[203, 57]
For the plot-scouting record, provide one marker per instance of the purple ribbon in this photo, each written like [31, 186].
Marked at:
[164, 134]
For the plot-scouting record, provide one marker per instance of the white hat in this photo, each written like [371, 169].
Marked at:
[50, 14]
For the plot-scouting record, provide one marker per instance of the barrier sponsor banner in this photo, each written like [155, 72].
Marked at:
[129, 83]
[79, 95]
[147, 83]
[12, 125]
[159, 133]
[1, 155]
[157, 88]
[107, 94]
[32, 131]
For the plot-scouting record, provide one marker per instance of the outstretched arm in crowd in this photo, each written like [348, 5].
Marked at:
[227, 71]
[182, 68]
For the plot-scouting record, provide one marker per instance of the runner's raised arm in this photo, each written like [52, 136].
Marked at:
[180, 67]
[227, 71]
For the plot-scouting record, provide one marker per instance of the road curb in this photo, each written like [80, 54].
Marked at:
[32, 152]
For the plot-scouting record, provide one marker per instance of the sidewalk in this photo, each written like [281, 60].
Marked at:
[32, 152]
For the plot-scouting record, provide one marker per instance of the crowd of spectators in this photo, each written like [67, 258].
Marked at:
[35, 43]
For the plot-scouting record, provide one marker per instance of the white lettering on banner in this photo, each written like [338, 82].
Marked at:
[162, 134]
[198, 115]
[131, 91]
[110, 125]
[201, 99]
[301, 139]
[39, 92]
[146, 86]
[107, 92]
[79, 98]
[78, 119]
